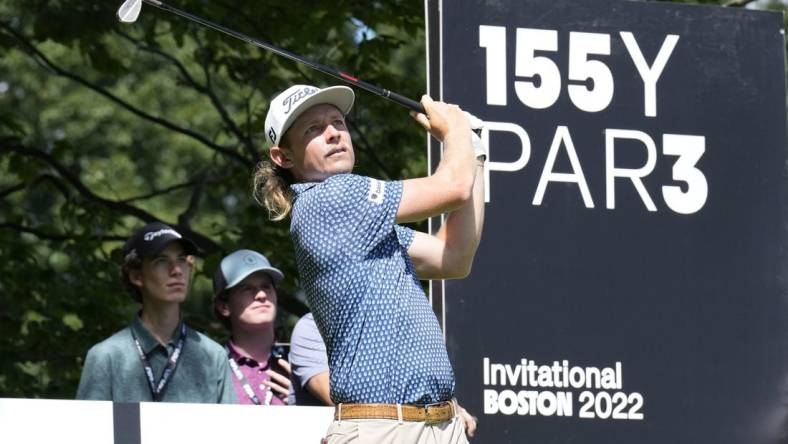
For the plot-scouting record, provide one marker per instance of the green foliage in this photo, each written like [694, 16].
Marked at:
[105, 126]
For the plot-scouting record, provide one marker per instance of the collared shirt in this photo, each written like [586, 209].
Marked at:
[255, 373]
[113, 370]
[383, 341]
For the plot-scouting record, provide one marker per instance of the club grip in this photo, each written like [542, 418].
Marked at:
[406, 102]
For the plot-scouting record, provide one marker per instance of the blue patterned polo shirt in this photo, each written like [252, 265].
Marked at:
[383, 341]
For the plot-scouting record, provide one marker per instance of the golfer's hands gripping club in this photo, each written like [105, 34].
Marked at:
[443, 118]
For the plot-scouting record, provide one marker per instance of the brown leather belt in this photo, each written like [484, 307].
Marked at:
[430, 414]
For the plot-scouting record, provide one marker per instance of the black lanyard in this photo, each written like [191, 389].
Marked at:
[245, 384]
[157, 390]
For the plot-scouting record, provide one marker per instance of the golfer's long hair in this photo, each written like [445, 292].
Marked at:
[271, 188]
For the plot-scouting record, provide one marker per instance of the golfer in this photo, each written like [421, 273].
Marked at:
[390, 375]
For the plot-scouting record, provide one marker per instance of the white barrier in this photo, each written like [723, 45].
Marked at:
[92, 422]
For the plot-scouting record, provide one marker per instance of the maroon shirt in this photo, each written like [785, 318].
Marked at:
[255, 374]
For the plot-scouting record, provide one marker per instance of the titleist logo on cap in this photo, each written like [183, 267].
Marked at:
[296, 97]
[149, 236]
[272, 134]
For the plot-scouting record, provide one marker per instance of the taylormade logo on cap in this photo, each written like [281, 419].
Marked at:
[154, 234]
[153, 238]
[288, 105]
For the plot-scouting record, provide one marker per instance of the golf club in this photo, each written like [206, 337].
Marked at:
[130, 10]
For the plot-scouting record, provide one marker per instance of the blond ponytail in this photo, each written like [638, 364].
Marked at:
[271, 188]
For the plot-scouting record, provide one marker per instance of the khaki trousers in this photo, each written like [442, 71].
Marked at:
[392, 431]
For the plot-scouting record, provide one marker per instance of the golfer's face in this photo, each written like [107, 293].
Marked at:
[320, 144]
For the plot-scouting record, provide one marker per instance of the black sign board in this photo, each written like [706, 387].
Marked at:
[631, 285]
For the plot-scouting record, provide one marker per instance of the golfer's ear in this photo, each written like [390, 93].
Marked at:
[282, 157]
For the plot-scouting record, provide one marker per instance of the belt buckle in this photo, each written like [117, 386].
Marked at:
[428, 420]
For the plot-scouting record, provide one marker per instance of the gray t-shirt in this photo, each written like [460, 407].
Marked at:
[307, 359]
[113, 369]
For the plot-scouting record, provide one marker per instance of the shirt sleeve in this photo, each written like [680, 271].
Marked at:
[405, 236]
[307, 352]
[95, 382]
[361, 210]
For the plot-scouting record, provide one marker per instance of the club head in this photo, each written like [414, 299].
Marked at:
[129, 11]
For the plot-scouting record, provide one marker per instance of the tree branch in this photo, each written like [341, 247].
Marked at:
[185, 218]
[206, 90]
[160, 192]
[12, 189]
[40, 58]
[229, 122]
[10, 145]
[55, 181]
[239, 13]
[58, 236]
[34, 183]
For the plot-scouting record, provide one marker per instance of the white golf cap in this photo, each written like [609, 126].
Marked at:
[292, 102]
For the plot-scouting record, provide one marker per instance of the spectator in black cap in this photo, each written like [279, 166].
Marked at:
[157, 358]
[245, 300]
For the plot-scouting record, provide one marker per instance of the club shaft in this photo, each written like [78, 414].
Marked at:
[347, 78]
